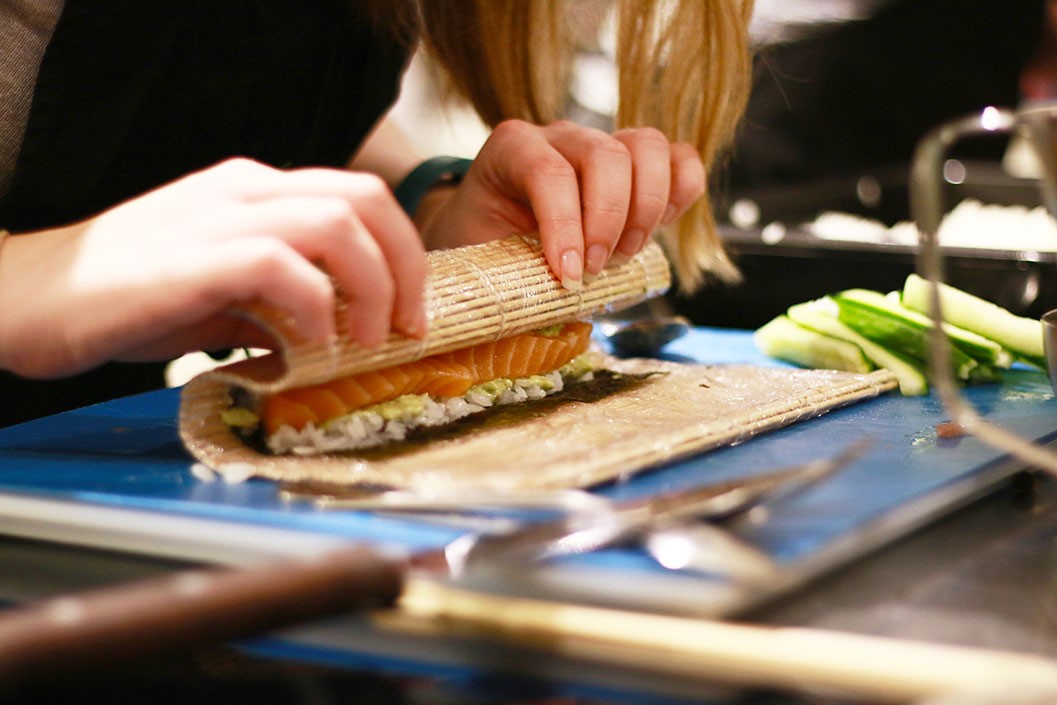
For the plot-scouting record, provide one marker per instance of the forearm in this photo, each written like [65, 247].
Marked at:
[428, 208]
[386, 153]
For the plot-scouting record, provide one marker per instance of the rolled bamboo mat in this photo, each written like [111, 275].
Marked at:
[475, 294]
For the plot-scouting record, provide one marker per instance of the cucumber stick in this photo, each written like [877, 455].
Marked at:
[980, 348]
[820, 315]
[782, 339]
[1022, 336]
[872, 315]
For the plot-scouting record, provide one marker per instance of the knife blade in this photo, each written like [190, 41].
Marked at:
[608, 524]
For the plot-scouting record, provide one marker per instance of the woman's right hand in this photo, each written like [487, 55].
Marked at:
[161, 275]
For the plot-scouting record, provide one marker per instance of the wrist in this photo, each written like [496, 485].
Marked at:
[33, 331]
[432, 174]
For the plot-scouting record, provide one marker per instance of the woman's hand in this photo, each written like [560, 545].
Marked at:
[591, 196]
[162, 274]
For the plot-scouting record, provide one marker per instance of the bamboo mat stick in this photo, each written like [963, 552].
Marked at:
[791, 658]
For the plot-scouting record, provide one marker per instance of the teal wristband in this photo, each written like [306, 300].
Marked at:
[427, 175]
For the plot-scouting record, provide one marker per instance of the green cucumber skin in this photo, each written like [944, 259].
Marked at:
[897, 333]
[1023, 336]
[813, 315]
[783, 339]
[975, 345]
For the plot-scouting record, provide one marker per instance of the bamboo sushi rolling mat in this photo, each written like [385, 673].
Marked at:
[651, 412]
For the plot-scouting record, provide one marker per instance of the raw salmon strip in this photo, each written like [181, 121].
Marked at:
[278, 411]
[446, 375]
[508, 357]
[443, 378]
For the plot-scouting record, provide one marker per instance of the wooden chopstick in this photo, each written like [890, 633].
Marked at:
[790, 658]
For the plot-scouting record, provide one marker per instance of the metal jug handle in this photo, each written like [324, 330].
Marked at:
[927, 208]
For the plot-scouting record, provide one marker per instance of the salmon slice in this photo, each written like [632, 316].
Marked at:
[446, 375]
[442, 378]
[323, 402]
[552, 354]
[463, 357]
[523, 354]
[380, 384]
[526, 354]
[502, 354]
[579, 337]
[351, 392]
[555, 351]
[278, 411]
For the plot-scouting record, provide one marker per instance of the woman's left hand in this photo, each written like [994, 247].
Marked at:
[590, 196]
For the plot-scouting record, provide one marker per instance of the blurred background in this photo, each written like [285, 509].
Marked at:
[813, 197]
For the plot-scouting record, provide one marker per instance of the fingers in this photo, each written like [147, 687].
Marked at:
[527, 164]
[403, 254]
[650, 186]
[605, 166]
[372, 236]
[594, 196]
[177, 307]
[688, 181]
[326, 231]
[351, 224]
[157, 275]
[270, 271]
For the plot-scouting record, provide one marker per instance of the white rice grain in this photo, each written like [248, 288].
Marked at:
[362, 429]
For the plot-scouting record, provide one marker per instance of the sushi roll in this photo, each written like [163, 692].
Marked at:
[381, 406]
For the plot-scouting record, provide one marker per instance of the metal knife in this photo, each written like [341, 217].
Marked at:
[612, 523]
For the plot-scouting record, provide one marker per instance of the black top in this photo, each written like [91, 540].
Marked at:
[134, 94]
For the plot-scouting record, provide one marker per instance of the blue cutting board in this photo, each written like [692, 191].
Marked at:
[116, 476]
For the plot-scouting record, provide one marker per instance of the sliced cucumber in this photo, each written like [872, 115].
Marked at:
[1022, 336]
[869, 313]
[980, 348]
[782, 339]
[984, 374]
[820, 315]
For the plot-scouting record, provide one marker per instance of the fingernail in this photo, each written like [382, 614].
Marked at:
[371, 339]
[572, 270]
[596, 259]
[323, 333]
[421, 324]
[327, 340]
[631, 243]
[669, 214]
[414, 324]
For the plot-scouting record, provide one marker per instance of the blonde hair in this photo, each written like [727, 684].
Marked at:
[684, 67]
